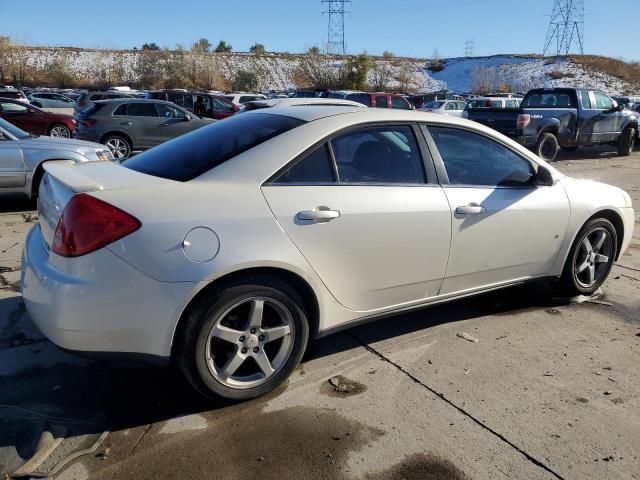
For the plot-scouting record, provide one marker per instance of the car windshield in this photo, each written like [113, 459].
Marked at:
[434, 105]
[195, 153]
[13, 130]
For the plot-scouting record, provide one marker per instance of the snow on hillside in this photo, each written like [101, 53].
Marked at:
[277, 71]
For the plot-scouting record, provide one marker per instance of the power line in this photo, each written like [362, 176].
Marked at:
[335, 31]
[566, 27]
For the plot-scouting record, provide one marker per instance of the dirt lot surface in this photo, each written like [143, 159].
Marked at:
[550, 390]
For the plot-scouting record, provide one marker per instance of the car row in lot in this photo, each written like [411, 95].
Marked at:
[229, 248]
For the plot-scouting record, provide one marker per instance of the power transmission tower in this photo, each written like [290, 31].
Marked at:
[335, 32]
[566, 27]
[468, 48]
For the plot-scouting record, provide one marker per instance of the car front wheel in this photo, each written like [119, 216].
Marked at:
[590, 259]
[243, 341]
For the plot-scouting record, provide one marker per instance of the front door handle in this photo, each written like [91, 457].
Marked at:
[124, 124]
[319, 215]
[471, 209]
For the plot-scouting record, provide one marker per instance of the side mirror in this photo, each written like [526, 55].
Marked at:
[544, 178]
[186, 118]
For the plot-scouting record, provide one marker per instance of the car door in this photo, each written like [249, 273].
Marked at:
[504, 227]
[143, 124]
[361, 210]
[173, 121]
[606, 122]
[12, 168]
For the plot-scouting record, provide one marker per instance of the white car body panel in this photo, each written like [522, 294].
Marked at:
[387, 252]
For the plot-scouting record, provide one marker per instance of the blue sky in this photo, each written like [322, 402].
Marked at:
[404, 27]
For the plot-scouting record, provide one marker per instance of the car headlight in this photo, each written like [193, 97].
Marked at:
[104, 155]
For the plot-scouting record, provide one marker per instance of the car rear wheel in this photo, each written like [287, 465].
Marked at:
[590, 259]
[547, 147]
[60, 131]
[243, 341]
[119, 146]
[627, 142]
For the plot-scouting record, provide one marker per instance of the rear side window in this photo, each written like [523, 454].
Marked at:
[121, 110]
[585, 100]
[382, 102]
[549, 100]
[316, 167]
[141, 110]
[189, 156]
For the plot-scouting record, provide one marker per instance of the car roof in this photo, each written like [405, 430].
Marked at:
[316, 102]
[133, 100]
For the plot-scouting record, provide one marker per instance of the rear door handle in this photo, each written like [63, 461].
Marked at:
[319, 214]
[124, 124]
[471, 209]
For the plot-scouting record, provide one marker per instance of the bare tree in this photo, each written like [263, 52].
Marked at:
[382, 72]
[483, 80]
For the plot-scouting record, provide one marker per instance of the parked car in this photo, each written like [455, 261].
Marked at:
[419, 101]
[376, 100]
[14, 94]
[501, 114]
[445, 107]
[202, 104]
[299, 101]
[230, 247]
[239, 99]
[129, 124]
[570, 118]
[50, 100]
[23, 154]
[86, 98]
[34, 120]
[632, 103]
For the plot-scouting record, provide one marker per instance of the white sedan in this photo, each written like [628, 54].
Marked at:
[231, 247]
[445, 107]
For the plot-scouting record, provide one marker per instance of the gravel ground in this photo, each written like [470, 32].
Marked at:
[548, 391]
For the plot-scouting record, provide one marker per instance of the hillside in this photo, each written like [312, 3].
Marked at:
[164, 68]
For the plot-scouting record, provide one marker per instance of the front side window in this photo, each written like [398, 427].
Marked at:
[315, 167]
[602, 101]
[169, 112]
[585, 100]
[475, 160]
[189, 156]
[379, 155]
[398, 102]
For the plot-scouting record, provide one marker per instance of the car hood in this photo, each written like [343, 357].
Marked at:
[51, 143]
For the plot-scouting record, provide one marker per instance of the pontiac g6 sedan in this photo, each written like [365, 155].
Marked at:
[231, 247]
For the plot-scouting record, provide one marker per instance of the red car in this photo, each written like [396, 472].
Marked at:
[34, 120]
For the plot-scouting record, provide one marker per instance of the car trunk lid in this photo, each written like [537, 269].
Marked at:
[64, 179]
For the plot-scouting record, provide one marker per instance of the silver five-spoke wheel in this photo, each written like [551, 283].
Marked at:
[60, 131]
[249, 342]
[593, 257]
[119, 147]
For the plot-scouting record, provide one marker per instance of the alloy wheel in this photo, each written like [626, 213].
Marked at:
[249, 342]
[119, 148]
[593, 257]
[60, 131]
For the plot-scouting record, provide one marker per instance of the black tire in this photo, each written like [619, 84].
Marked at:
[569, 149]
[547, 147]
[119, 145]
[627, 142]
[191, 344]
[569, 284]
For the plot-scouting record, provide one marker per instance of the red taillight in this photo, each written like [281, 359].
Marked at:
[88, 122]
[88, 224]
[523, 120]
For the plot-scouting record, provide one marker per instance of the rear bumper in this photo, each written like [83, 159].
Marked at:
[99, 303]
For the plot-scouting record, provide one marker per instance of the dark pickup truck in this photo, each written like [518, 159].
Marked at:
[498, 113]
[569, 118]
